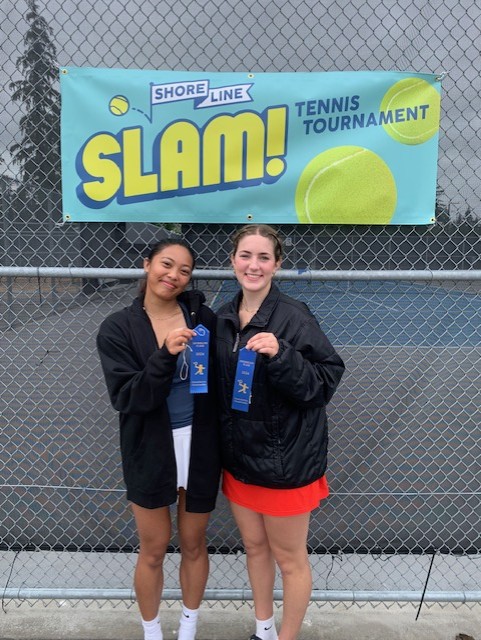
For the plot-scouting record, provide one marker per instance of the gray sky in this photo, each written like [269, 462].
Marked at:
[432, 36]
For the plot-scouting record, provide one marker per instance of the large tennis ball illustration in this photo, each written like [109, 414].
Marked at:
[346, 185]
[418, 106]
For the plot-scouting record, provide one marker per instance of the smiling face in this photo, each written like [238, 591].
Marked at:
[255, 264]
[168, 272]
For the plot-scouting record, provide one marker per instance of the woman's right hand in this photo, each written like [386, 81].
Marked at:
[176, 340]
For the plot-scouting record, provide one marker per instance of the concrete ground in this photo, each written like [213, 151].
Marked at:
[222, 621]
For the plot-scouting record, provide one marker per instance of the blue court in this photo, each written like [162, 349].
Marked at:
[375, 313]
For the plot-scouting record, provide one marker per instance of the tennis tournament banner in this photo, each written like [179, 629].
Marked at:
[324, 148]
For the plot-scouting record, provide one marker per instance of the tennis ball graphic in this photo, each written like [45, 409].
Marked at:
[346, 185]
[420, 107]
[119, 105]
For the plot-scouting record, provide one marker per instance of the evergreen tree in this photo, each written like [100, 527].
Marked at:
[38, 154]
[442, 209]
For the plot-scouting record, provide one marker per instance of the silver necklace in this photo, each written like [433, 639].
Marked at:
[246, 308]
[152, 317]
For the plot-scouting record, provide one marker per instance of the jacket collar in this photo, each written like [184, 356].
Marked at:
[264, 313]
[190, 302]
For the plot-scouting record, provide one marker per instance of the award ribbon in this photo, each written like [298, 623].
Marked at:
[244, 374]
[199, 359]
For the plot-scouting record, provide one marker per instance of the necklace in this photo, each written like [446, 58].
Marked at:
[162, 317]
[246, 308]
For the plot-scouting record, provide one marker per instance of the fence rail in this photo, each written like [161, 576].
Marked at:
[412, 275]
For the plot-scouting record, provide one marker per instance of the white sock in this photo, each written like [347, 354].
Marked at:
[152, 629]
[266, 629]
[188, 623]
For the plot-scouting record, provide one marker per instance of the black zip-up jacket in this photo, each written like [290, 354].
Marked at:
[281, 442]
[139, 377]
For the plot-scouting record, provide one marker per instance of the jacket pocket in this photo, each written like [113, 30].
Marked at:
[259, 449]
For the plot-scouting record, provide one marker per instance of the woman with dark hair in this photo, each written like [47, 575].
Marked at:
[277, 372]
[168, 428]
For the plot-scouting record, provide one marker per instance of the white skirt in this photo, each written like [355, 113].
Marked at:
[182, 440]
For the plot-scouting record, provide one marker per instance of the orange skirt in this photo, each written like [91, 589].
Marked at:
[275, 502]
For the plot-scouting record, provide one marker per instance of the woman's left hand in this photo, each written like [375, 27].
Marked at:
[265, 343]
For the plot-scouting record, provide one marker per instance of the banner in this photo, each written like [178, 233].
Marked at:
[324, 148]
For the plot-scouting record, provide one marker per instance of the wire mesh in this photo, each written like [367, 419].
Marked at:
[404, 461]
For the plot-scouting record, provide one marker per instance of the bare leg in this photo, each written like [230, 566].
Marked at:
[154, 529]
[194, 564]
[260, 561]
[288, 541]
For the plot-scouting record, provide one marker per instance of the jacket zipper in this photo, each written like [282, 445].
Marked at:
[236, 343]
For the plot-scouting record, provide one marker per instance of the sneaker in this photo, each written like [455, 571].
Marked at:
[254, 637]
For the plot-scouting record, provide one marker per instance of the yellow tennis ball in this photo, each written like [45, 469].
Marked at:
[346, 185]
[119, 105]
[415, 105]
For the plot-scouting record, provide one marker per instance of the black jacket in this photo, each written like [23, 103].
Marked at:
[281, 442]
[139, 376]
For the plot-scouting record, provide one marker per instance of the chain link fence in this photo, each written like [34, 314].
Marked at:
[402, 305]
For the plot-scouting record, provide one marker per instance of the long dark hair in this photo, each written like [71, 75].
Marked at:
[158, 247]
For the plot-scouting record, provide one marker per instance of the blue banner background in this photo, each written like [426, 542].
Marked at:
[364, 173]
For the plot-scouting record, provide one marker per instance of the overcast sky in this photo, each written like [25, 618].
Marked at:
[435, 36]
